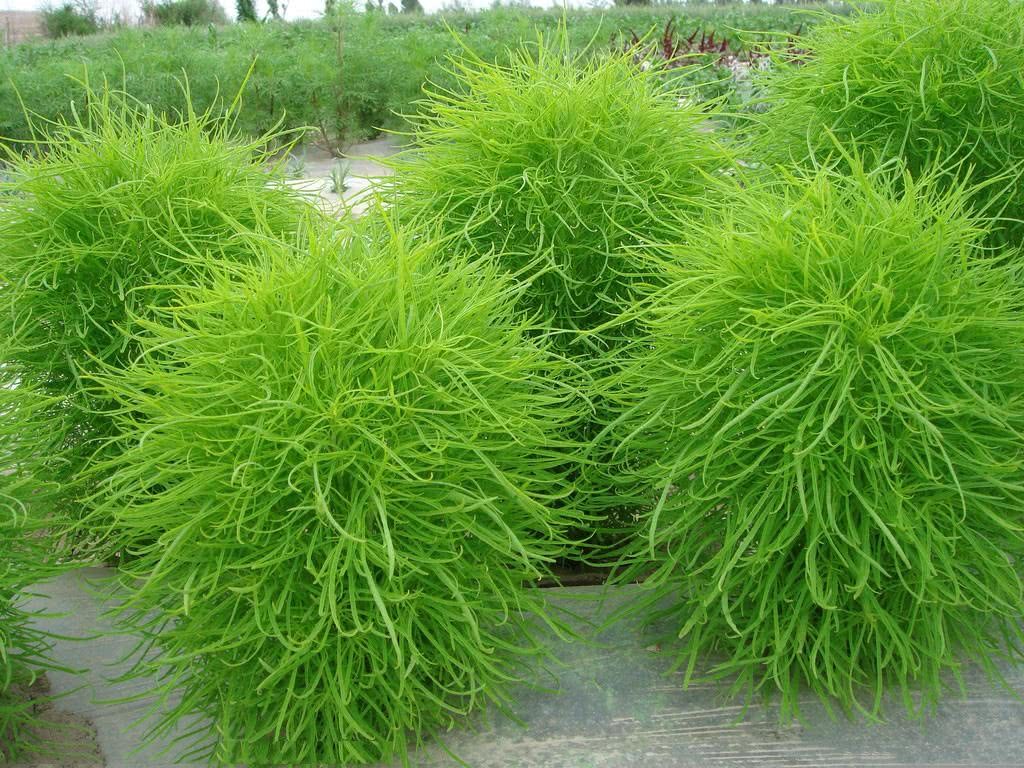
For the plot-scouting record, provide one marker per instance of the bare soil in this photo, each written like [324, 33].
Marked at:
[61, 739]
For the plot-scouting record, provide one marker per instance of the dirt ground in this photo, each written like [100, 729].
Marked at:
[62, 739]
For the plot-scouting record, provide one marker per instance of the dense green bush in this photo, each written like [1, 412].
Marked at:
[124, 205]
[346, 464]
[929, 81]
[348, 74]
[245, 10]
[68, 19]
[558, 166]
[188, 13]
[826, 425]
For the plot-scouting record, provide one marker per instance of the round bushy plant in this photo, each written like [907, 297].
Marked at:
[341, 476]
[116, 208]
[826, 426]
[559, 166]
[70, 19]
[927, 81]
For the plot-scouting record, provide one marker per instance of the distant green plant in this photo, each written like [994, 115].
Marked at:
[346, 465]
[245, 10]
[121, 206]
[826, 425]
[188, 13]
[74, 18]
[298, 77]
[339, 175]
[559, 166]
[929, 81]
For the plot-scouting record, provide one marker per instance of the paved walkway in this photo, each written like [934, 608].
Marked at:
[314, 167]
[616, 709]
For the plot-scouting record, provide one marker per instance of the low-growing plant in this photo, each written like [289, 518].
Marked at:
[928, 81]
[186, 13]
[339, 175]
[674, 49]
[295, 165]
[71, 18]
[339, 473]
[115, 209]
[709, 65]
[825, 424]
[24, 560]
[558, 166]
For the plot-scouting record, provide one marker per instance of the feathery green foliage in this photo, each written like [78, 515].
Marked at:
[557, 165]
[22, 648]
[826, 423]
[24, 560]
[118, 207]
[929, 81]
[344, 469]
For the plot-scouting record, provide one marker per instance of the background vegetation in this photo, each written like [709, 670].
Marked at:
[951, 93]
[347, 75]
[73, 18]
[189, 13]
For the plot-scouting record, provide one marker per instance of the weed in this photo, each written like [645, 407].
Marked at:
[339, 175]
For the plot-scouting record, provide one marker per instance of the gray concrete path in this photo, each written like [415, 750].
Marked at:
[314, 166]
[616, 708]
[73, 609]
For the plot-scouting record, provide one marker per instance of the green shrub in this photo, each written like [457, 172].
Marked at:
[188, 13]
[120, 207]
[245, 10]
[78, 18]
[557, 166]
[826, 424]
[929, 81]
[345, 464]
